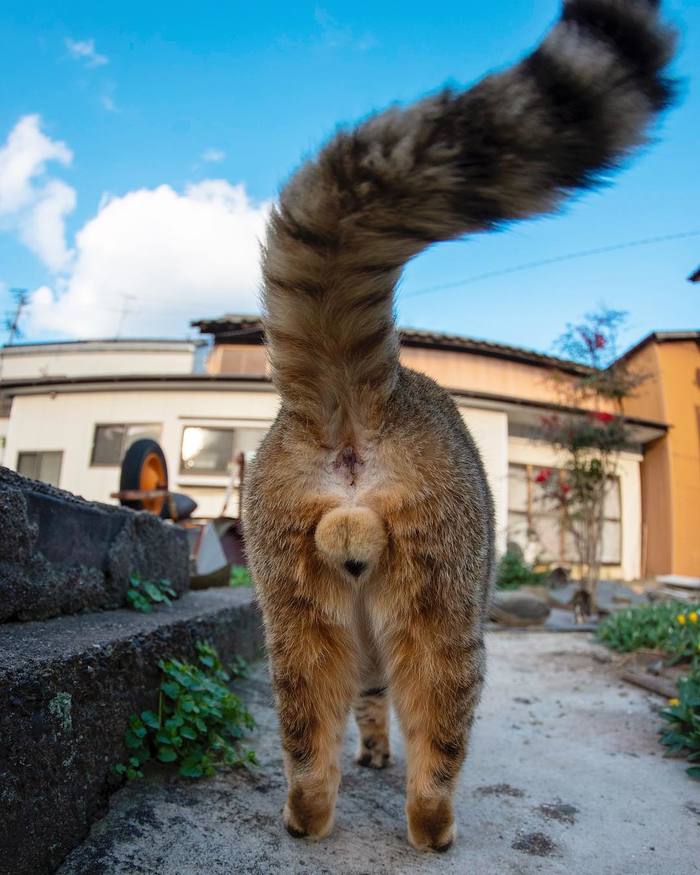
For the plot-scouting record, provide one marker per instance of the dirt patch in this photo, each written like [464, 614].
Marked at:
[559, 811]
[573, 661]
[500, 790]
[537, 844]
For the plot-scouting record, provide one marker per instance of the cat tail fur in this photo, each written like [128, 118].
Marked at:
[459, 161]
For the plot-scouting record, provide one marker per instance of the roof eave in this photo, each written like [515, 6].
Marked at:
[661, 337]
[239, 329]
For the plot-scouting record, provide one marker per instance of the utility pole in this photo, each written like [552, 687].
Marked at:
[12, 320]
[12, 323]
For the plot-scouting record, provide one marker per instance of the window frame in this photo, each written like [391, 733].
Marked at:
[202, 472]
[126, 426]
[218, 425]
[59, 453]
[531, 515]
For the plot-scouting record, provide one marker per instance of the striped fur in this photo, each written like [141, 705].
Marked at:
[369, 521]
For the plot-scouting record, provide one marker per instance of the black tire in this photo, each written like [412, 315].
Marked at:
[137, 456]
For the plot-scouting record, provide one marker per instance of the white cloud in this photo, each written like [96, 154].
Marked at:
[170, 255]
[213, 155]
[175, 255]
[32, 204]
[23, 159]
[84, 50]
[42, 228]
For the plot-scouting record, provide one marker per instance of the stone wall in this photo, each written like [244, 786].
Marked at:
[60, 554]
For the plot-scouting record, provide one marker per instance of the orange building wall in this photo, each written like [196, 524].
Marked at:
[249, 359]
[657, 510]
[680, 367]
[671, 467]
[452, 369]
[477, 373]
[491, 375]
[647, 401]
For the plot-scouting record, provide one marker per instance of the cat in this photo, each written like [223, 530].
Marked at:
[368, 518]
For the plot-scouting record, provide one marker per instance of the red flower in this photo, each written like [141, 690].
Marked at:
[543, 475]
[565, 489]
[602, 416]
[598, 340]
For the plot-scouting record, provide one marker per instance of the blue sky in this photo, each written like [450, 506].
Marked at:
[135, 108]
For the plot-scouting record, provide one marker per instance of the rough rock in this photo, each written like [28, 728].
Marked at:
[60, 554]
[515, 608]
[611, 595]
[68, 688]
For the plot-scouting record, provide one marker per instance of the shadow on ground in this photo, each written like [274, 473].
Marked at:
[565, 775]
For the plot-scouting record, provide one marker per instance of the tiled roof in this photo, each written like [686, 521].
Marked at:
[240, 327]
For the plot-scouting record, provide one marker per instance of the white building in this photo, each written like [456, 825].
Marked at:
[76, 407]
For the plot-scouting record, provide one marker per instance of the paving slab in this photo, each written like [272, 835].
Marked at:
[565, 775]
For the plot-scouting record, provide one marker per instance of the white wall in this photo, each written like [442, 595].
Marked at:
[66, 421]
[95, 359]
[4, 425]
[489, 428]
[526, 452]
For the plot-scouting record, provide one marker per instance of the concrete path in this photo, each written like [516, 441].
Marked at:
[565, 775]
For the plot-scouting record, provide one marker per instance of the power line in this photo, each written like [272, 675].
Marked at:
[530, 265]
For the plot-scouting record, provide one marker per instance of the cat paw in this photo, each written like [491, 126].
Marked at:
[374, 752]
[431, 826]
[304, 817]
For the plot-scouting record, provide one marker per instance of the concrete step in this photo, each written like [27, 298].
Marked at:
[60, 554]
[68, 688]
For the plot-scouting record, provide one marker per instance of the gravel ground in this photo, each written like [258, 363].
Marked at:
[565, 775]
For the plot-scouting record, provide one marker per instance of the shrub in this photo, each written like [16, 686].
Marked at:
[240, 576]
[591, 445]
[684, 637]
[143, 595]
[514, 572]
[683, 713]
[675, 628]
[199, 725]
[655, 626]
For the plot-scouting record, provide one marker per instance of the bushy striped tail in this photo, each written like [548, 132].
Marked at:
[512, 146]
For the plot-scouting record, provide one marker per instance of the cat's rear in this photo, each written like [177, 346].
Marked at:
[368, 518]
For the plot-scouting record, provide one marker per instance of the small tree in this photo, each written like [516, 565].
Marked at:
[591, 442]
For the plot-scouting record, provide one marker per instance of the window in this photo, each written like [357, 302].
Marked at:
[111, 442]
[535, 519]
[210, 450]
[206, 450]
[247, 441]
[44, 466]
